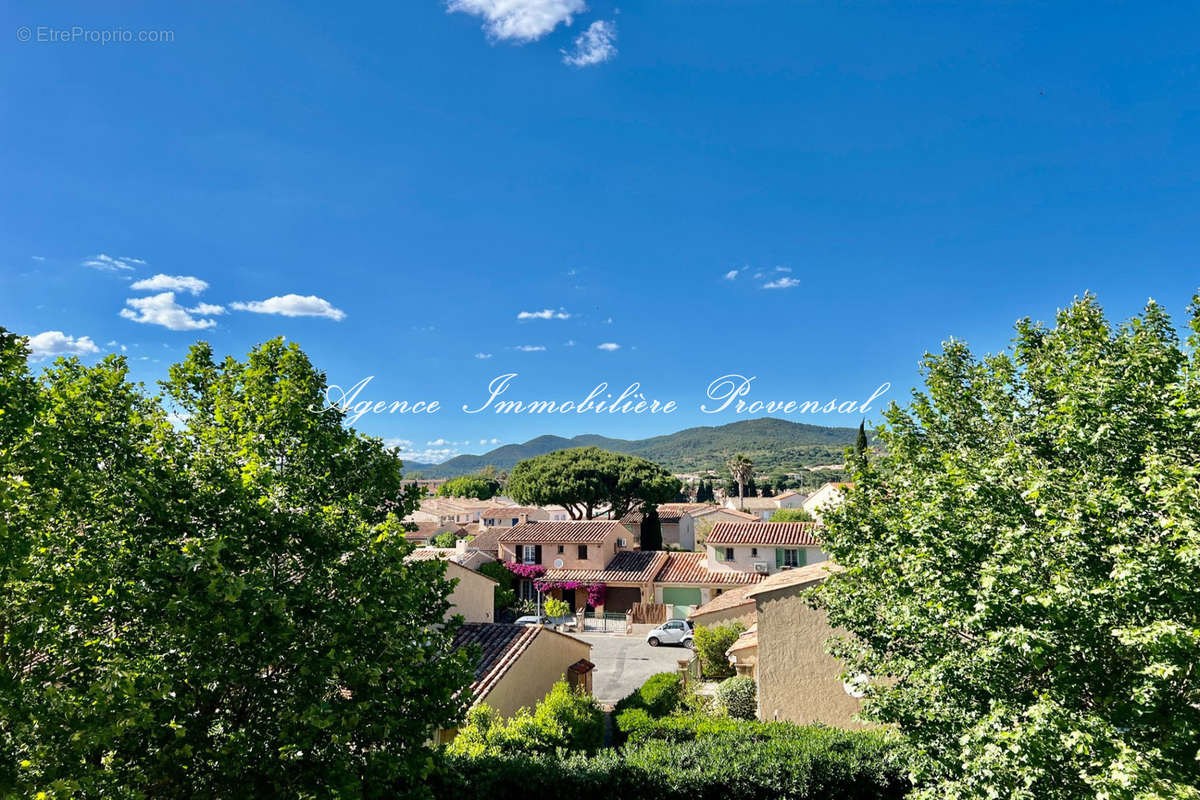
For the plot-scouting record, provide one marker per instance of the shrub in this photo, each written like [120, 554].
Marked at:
[711, 644]
[738, 696]
[555, 607]
[661, 694]
[745, 761]
[563, 719]
[792, 515]
[505, 594]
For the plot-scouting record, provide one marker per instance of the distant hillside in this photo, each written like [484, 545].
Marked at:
[775, 445]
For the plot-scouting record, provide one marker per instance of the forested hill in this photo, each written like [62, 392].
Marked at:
[775, 445]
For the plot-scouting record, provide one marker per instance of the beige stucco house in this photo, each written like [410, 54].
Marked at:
[704, 519]
[511, 516]
[519, 664]
[728, 606]
[829, 495]
[474, 593]
[563, 545]
[785, 654]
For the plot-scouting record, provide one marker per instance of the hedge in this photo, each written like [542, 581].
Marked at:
[739, 697]
[661, 694]
[773, 761]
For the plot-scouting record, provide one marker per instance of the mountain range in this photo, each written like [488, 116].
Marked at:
[775, 445]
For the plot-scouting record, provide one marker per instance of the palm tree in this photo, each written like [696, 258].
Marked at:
[742, 470]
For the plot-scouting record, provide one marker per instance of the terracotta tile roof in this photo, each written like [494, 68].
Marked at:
[798, 534]
[667, 512]
[724, 601]
[471, 559]
[723, 510]
[562, 532]
[795, 577]
[501, 646]
[628, 566]
[692, 568]
[788, 494]
[427, 530]
[488, 541]
[504, 512]
[745, 641]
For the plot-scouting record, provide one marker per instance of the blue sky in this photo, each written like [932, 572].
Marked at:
[416, 175]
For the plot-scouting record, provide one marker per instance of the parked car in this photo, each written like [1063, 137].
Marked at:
[673, 631]
[534, 619]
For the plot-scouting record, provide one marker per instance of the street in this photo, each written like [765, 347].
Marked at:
[623, 663]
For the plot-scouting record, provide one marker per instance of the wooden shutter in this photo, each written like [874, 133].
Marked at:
[778, 556]
[803, 556]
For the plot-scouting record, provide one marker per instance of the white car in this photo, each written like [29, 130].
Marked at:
[534, 619]
[673, 631]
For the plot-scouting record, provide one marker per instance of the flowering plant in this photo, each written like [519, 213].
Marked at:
[529, 571]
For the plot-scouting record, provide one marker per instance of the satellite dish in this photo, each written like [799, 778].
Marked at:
[558, 562]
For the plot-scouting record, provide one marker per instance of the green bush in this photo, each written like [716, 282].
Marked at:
[564, 718]
[505, 594]
[555, 607]
[739, 697]
[747, 761]
[661, 694]
[711, 644]
[636, 726]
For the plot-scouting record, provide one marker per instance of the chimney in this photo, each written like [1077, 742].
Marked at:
[460, 545]
[523, 517]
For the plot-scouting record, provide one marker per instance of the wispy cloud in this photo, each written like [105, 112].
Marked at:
[489, 441]
[161, 309]
[569, 343]
[170, 283]
[546, 313]
[48, 344]
[293, 305]
[782, 283]
[483, 355]
[530, 348]
[732, 274]
[609, 346]
[595, 45]
[783, 269]
[519, 20]
[109, 263]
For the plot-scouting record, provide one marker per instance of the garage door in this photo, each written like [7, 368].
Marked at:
[681, 601]
[619, 599]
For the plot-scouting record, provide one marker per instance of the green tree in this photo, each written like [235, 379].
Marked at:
[183, 608]
[478, 487]
[860, 443]
[563, 719]
[741, 468]
[504, 594]
[555, 607]
[447, 538]
[792, 515]
[651, 529]
[711, 642]
[1023, 564]
[586, 480]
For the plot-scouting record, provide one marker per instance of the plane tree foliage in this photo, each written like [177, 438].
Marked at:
[588, 480]
[205, 594]
[1022, 563]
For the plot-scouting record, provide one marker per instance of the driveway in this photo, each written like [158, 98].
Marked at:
[623, 663]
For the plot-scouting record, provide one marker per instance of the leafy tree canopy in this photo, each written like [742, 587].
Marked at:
[216, 608]
[586, 480]
[1023, 563]
[478, 487]
[791, 515]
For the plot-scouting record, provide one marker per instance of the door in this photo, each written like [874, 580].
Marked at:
[681, 600]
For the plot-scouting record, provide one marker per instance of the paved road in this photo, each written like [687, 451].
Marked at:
[623, 663]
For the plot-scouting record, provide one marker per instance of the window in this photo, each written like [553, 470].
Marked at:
[754, 552]
[729, 554]
[527, 591]
[528, 554]
[583, 551]
[487, 523]
[515, 521]
[791, 558]
[561, 549]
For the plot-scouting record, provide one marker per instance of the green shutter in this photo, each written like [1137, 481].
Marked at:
[779, 556]
[719, 552]
[802, 558]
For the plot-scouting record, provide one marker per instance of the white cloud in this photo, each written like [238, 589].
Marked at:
[608, 321]
[206, 308]
[161, 309]
[783, 269]
[519, 20]
[293, 305]
[782, 283]
[569, 343]
[546, 313]
[733, 273]
[483, 355]
[57, 343]
[403, 444]
[609, 346]
[38, 258]
[113, 264]
[170, 283]
[531, 348]
[595, 45]
[489, 441]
